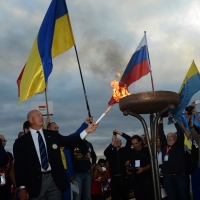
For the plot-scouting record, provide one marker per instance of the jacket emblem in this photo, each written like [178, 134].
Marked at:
[54, 146]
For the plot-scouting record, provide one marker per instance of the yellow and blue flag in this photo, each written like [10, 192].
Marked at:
[189, 87]
[54, 37]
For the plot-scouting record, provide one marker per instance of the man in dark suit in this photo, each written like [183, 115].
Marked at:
[38, 165]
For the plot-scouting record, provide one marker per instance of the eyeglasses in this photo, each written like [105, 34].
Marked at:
[4, 140]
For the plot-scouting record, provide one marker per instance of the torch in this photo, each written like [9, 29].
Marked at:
[106, 111]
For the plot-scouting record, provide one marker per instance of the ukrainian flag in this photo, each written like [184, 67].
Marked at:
[55, 36]
[189, 87]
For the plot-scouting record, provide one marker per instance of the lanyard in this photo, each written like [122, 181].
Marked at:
[167, 149]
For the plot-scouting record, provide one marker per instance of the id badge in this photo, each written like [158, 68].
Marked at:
[166, 157]
[2, 179]
[137, 163]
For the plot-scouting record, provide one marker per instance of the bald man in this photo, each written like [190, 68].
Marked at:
[116, 156]
[38, 165]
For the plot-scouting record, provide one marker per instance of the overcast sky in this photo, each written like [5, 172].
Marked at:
[106, 34]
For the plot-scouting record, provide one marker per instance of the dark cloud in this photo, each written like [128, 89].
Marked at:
[102, 57]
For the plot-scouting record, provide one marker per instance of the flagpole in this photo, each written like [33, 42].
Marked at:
[152, 84]
[46, 102]
[86, 100]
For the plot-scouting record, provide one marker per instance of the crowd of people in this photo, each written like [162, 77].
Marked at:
[47, 164]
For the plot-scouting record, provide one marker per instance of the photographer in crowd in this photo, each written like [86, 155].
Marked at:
[173, 167]
[139, 160]
[116, 156]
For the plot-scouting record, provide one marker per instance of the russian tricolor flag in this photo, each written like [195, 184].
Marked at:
[138, 66]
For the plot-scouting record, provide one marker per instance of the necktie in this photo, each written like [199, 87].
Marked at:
[63, 157]
[43, 152]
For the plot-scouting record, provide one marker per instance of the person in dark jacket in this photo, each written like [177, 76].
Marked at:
[6, 163]
[3, 154]
[139, 161]
[116, 156]
[173, 167]
[82, 155]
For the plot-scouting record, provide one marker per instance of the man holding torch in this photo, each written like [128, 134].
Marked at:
[38, 164]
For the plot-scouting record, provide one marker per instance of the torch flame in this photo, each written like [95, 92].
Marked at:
[119, 89]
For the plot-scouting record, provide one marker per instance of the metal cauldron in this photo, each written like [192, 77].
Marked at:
[148, 102]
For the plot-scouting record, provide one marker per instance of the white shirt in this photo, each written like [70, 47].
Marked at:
[34, 135]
